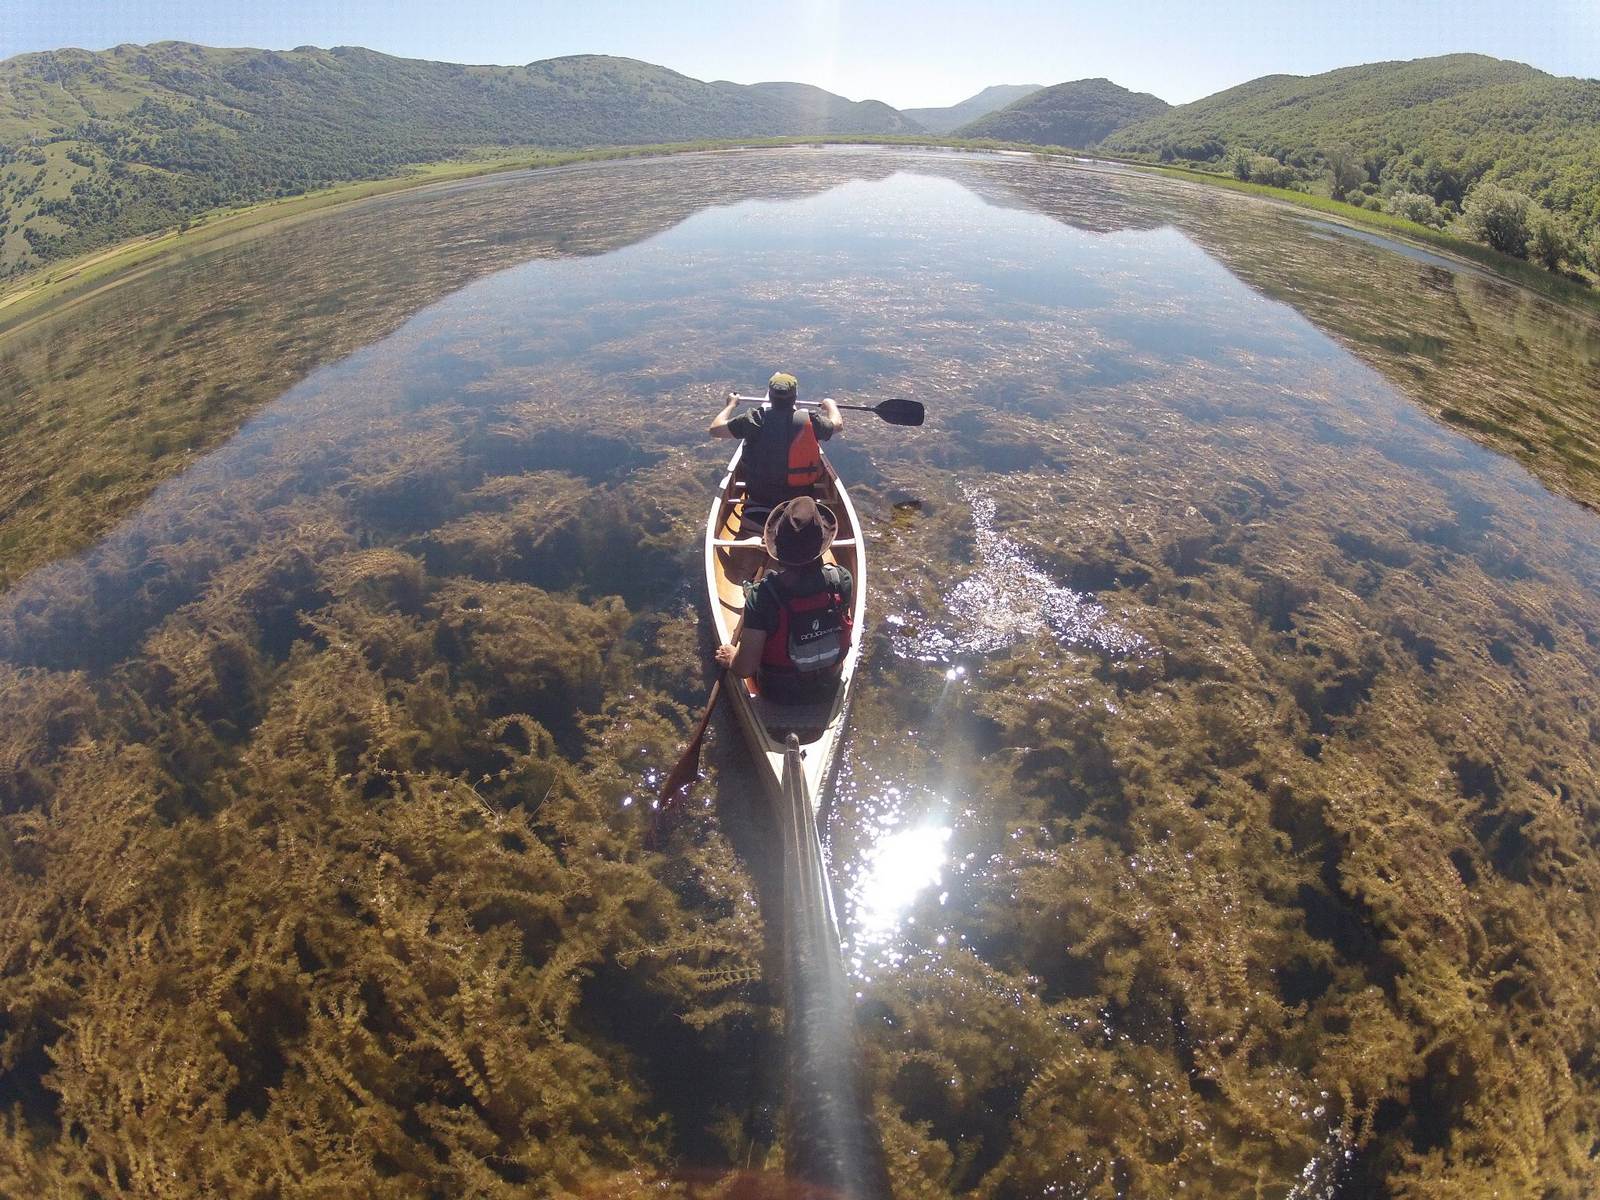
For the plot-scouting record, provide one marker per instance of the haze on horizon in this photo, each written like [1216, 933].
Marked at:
[923, 54]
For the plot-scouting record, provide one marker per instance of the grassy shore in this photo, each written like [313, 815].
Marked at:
[1530, 275]
[74, 278]
[1562, 288]
[28, 296]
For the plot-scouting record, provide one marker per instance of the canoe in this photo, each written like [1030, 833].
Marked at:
[832, 1141]
[735, 554]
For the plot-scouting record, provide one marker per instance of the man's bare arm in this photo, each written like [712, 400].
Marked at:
[743, 657]
[719, 426]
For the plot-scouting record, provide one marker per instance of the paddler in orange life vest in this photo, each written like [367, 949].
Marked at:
[782, 455]
[797, 620]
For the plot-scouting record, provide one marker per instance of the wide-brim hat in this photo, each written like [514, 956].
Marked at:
[799, 531]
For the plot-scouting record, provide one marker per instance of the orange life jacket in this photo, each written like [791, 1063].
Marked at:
[805, 458]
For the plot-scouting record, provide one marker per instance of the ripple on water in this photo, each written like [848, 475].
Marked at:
[1008, 599]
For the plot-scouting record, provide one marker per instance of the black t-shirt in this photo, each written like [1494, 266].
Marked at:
[764, 464]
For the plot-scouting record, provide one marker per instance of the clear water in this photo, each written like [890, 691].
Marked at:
[1220, 799]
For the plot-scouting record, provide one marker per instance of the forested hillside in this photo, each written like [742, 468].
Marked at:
[1076, 114]
[991, 99]
[820, 111]
[99, 146]
[1399, 133]
[96, 147]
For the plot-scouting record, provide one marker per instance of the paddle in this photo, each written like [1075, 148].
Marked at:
[676, 787]
[896, 411]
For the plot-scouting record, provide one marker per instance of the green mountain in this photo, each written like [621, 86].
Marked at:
[1433, 125]
[1078, 114]
[95, 147]
[823, 112]
[991, 99]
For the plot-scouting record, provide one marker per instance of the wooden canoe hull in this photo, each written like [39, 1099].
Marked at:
[735, 555]
[832, 1143]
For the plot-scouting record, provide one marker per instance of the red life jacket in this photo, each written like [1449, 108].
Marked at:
[805, 458]
[814, 632]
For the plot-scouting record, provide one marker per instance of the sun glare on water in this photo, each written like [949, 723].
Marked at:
[898, 869]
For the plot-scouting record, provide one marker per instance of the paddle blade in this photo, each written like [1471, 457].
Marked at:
[900, 412]
[676, 786]
[673, 792]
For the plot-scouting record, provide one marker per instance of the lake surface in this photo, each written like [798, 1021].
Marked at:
[1219, 812]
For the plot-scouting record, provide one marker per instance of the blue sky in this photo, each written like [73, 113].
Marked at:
[906, 52]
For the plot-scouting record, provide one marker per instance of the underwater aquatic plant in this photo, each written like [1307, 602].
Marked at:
[320, 780]
[314, 887]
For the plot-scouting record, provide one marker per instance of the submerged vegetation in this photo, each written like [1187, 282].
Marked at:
[1264, 804]
[1282, 906]
[96, 413]
[306, 897]
[99, 412]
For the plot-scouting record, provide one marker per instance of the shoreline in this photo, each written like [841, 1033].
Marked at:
[69, 280]
[122, 443]
[65, 282]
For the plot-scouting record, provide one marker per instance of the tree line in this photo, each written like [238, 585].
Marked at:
[1502, 217]
[1496, 152]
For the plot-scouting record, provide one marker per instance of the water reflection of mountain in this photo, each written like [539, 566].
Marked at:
[101, 401]
[109, 396]
[1437, 329]
[1092, 201]
[1441, 336]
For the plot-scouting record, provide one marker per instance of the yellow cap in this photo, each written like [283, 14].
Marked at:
[783, 383]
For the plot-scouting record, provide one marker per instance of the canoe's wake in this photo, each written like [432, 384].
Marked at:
[1007, 599]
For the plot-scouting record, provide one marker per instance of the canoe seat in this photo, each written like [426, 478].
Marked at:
[755, 543]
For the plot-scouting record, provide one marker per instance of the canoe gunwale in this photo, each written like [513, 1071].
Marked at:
[726, 566]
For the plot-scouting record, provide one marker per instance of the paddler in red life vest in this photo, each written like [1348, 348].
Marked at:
[797, 624]
[782, 455]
